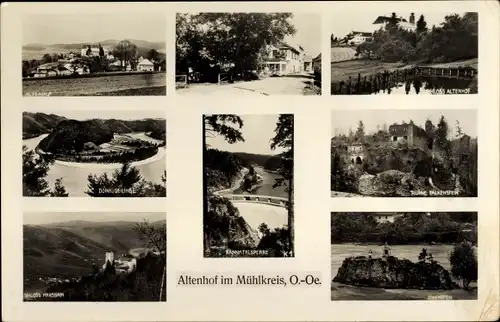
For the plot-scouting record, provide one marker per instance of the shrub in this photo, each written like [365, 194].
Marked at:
[464, 263]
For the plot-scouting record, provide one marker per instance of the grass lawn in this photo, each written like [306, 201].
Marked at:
[342, 70]
[145, 91]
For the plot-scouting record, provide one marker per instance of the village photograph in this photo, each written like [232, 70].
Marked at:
[404, 153]
[404, 53]
[94, 55]
[248, 54]
[404, 256]
[94, 153]
[94, 257]
[248, 185]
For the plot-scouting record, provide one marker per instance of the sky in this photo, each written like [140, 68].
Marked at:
[40, 218]
[344, 22]
[77, 28]
[343, 120]
[257, 131]
[81, 115]
[308, 33]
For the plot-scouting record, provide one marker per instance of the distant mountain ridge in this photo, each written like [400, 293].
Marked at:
[67, 249]
[35, 124]
[108, 42]
[66, 134]
[38, 50]
[268, 162]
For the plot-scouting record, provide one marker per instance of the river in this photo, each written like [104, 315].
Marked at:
[74, 174]
[266, 188]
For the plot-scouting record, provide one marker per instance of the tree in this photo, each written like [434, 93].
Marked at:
[228, 126]
[35, 169]
[236, 39]
[423, 255]
[109, 268]
[421, 25]
[124, 182]
[153, 55]
[47, 58]
[26, 68]
[393, 21]
[126, 51]
[101, 51]
[156, 238]
[360, 132]
[430, 130]
[464, 263]
[59, 190]
[459, 130]
[441, 134]
[218, 125]
[284, 139]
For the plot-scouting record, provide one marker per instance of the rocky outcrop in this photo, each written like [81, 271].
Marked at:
[392, 272]
[225, 226]
[389, 183]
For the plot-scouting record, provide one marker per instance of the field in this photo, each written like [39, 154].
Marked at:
[342, 53]
[343, 69]
[349, 292]
[143, 84]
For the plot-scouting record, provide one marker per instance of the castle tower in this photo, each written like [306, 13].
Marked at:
[412, 18]
[110, 257]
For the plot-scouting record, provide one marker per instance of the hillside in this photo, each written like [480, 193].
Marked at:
[69, 249]
[143, 284]
[73, 134]
[269, 162]
[35, 124]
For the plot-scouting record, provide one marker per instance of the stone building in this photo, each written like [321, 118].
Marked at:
[356, 153]
[410, 134]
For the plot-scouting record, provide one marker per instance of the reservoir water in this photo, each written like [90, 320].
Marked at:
[74, 174]
[266, 188]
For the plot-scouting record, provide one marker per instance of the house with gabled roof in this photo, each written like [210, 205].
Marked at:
[282, 59]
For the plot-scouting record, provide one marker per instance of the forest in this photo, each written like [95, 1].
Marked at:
[456, 38]
[407, 228]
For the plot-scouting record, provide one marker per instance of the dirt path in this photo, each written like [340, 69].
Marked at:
[286, 85]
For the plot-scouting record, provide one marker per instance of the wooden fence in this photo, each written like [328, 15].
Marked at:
[224, 78]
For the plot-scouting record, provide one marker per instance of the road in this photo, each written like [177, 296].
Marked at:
[286, 85]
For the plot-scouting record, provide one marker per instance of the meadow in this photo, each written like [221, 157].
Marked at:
[141, 84]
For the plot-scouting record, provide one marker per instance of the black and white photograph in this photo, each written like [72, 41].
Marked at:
[248, 185]
[94, 153]
[382, 256]
[404, 153]
[94, 257]
[250, 54]
[419, 52]
[116, 54]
